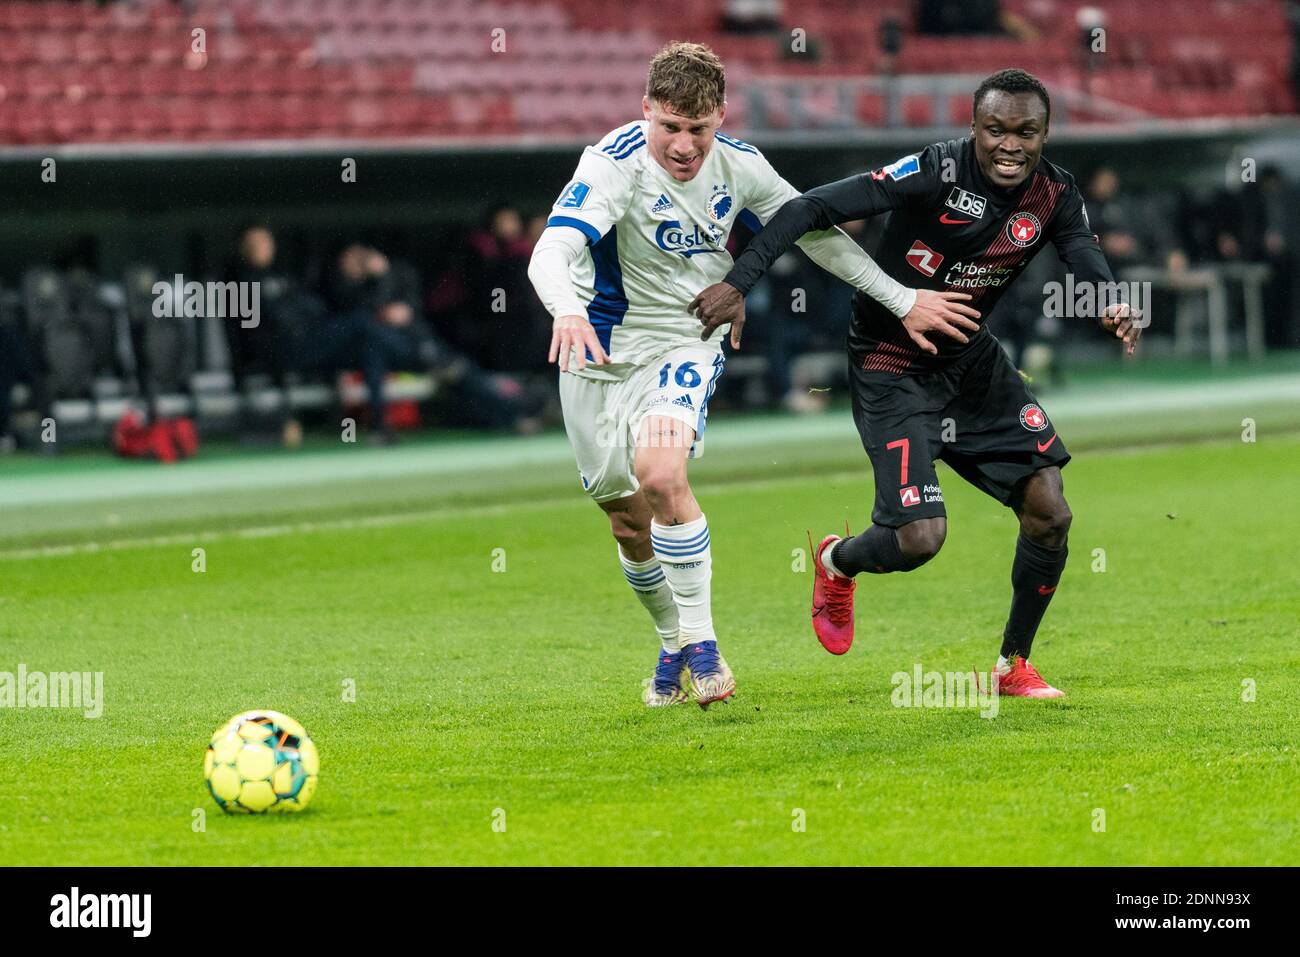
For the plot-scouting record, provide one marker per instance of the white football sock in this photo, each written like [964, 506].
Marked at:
[1004, 666]
[683, 552]
[826, 560]
[651, 587]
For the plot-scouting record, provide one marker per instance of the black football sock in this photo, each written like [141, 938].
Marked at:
[875, 551]
[1035, 574]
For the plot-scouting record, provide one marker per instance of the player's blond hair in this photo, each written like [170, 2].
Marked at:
[687, 78]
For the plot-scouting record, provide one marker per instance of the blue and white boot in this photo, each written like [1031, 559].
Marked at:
[710, 678]
[666, 687]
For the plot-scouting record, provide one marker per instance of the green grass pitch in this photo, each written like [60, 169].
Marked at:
[518, 690]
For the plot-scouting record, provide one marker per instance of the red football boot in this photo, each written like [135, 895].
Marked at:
[1023, 681]
[832, 604]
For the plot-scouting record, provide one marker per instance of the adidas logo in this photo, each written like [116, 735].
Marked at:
[661, 204]
[684, 401]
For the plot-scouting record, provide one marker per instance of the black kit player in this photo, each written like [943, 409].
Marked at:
[968, 215]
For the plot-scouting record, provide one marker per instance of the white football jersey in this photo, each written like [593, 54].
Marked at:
[653, 243]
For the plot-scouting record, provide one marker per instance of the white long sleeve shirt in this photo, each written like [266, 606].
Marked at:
[629, 247]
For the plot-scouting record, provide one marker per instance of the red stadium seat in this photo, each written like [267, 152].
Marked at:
[416, 68]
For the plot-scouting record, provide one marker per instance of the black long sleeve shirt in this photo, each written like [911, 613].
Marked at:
[951, 229]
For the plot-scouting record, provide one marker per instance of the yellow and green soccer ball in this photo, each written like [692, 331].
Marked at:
[261, 761]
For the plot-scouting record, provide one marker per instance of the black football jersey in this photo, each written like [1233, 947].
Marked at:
[950, 229]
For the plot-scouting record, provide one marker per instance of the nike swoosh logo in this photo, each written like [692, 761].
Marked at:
[1044, 446]
[954, 222]
[1044, 590]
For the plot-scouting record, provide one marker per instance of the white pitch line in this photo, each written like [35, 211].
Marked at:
[457, 459]
[451, 511]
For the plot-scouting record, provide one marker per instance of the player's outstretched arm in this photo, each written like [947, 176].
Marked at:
[1079, 249]
[548, 270]
[809, 220]
[942, 312]
[922, 310]
[817, 209]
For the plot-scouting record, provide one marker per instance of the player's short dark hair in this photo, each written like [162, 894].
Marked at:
[687, 78]
[1012, 81]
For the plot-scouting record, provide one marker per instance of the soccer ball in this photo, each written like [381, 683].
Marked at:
[261, 761]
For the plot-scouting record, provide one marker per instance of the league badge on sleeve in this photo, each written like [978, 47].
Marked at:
[574, 195]
[900, 169]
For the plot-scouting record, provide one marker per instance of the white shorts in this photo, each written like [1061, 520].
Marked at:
[603, 418]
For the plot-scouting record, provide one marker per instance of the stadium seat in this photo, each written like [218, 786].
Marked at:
[133, 60]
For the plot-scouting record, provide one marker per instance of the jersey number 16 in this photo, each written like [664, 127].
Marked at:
[686, 376]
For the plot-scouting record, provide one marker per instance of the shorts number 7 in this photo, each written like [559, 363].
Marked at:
[901, 444]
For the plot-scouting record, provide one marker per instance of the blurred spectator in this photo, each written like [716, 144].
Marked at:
[802, 317]
[262, 348]
[1266, 232]
[286, 311]
[15, 366]
[375, 326]
[536, 224]
[751, 16]
[1027, 334]
[507, 328]
[970, 18]
[1116, 220]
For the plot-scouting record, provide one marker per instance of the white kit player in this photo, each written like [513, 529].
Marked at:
[638, 232]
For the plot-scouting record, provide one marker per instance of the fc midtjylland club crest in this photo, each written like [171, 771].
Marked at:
[1032, 418]
[1023, 229]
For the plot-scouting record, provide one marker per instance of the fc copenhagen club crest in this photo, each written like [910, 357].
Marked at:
[1023, 229]
[1032, 418]
[719, 203]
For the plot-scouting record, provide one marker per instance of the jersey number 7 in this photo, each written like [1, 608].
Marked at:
[904, 445]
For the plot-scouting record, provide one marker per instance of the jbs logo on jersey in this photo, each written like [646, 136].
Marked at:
[965, 202]
[574, 195]
[673, 238]
[923, 259]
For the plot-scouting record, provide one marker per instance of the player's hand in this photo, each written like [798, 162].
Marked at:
[718, 305]
[574, 333]
[1125, 323]
[940, 312]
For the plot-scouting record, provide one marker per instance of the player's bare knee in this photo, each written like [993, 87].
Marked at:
[628, 534]
[920, 541]
[1049, 524]
[662, 482]
[629, 523]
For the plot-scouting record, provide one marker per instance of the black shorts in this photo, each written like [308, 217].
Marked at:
[976, 415]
